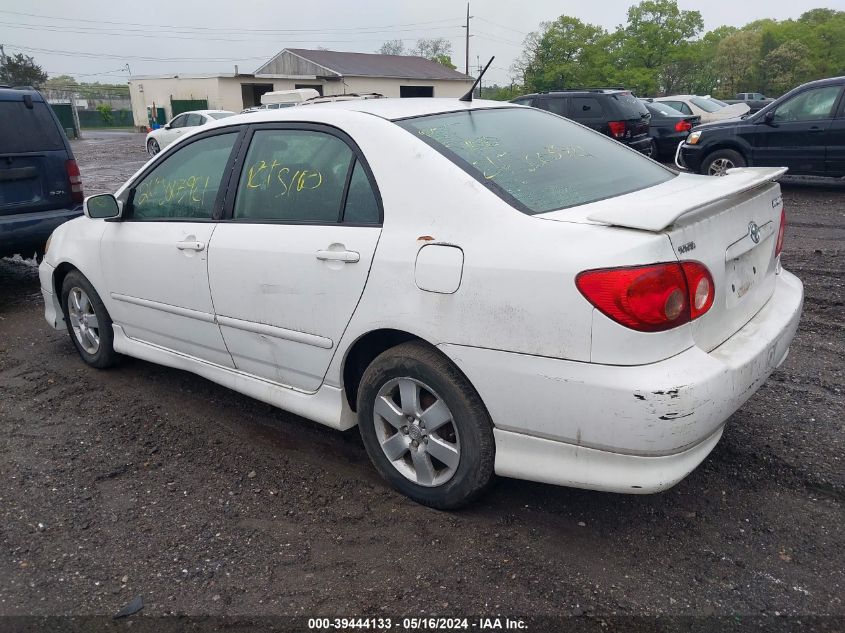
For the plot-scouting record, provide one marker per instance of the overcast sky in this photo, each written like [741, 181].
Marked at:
[94, 39]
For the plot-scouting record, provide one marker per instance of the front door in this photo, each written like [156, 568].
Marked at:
[796, 135]
[156, 259]
[288, 265]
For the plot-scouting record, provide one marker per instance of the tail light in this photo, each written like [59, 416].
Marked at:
[683, 126]
[75, 180]
[617, 128]
[650, 298]
[781, 231]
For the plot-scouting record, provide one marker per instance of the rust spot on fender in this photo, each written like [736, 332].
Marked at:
[425, 238]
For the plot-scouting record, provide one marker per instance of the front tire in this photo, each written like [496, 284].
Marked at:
[88, 322]
[153, 147]
[719, 162]
[425, 427]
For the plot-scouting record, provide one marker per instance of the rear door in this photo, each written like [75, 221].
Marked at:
[797, 136]
[835, 152]
[289, 263]
[588, 111]
[557, 104]
[33, 156]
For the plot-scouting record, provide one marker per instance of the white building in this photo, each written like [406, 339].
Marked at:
[329, 72]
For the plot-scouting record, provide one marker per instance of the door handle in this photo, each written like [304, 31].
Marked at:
[190, 246]
[350, 257]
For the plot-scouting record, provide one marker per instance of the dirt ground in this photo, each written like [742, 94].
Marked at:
[150, 481]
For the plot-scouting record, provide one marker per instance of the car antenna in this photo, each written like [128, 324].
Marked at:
[468, 96]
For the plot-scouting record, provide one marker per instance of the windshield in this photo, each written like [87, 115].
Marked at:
[708, 105]
[220, 115]
[534, 160]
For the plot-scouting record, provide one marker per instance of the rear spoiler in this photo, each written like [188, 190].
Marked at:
[701, 192]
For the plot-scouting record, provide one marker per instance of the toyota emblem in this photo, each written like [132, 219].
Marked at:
[754, 232]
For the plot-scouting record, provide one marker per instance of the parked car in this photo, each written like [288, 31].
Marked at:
[754, 100]
[803, 130]
[613, 112]
[707, 108]
[481, 288]
[40, 185]
[179, 125]
[667, 128]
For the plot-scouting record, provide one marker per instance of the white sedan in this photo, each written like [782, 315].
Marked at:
[179, 126]
[480, 287]
[706, 107]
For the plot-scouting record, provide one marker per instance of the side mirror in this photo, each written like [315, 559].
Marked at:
[167, 126]
[102, 206]
[769, 117]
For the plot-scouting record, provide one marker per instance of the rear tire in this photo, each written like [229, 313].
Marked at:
[717, 163]
[654, 152]
[425, 427]
[88, 322]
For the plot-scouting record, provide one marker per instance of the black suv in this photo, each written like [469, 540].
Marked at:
[40, 185]
[614, 112]
[803, 130]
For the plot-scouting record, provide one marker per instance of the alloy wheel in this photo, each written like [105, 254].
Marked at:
[153, 147]
[83, 320]
[720, 167]
[417, 432]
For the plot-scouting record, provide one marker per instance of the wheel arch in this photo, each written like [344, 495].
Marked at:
[731, 144]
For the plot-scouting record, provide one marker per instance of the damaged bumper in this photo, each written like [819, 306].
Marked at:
[626, 429]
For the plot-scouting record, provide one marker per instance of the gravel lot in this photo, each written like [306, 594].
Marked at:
[149, 481]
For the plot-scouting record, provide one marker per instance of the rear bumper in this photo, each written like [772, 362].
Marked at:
[642, 144]
[25, 233]
[577, 424]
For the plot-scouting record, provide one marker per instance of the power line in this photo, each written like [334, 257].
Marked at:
[190, 35]
[501, 26]
[137, 57]
[158, 27]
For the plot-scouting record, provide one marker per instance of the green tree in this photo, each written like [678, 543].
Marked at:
[21, 70]
[656, 36]
[563, 54]
[788, 66]
[735, 61]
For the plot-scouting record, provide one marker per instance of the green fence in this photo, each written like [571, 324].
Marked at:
[178, 106]
[65, 114]
[114, 118]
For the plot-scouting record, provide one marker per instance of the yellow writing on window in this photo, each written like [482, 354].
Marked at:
[275, 176]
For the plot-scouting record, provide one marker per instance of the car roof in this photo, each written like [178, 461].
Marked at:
[16, 94]
[204, 112]
[390, 109]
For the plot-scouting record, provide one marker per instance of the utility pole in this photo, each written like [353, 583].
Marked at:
[468, 36]
[2, 56]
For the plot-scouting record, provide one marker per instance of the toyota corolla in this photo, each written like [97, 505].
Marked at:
[481, 288]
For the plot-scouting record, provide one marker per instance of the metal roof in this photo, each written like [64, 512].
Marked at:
[375, 65]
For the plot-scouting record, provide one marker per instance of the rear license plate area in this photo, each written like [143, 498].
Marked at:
[745, 273]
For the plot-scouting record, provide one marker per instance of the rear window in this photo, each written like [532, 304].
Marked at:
[535, 161]
[708, 105]
[25, 130]
[630, 107]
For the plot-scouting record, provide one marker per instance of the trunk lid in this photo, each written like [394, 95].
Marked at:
[729, 224]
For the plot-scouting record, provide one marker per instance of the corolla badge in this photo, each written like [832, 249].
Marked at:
[754, 232]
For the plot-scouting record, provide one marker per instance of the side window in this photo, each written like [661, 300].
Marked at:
[184, 186]
[680, 106]
[587, 108]
[293, 176]
[523, 102]
[179, 121]
[811, 105]
[361, 203]
[558, 106]
[195, 120]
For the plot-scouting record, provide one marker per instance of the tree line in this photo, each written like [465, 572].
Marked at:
[662, 50]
